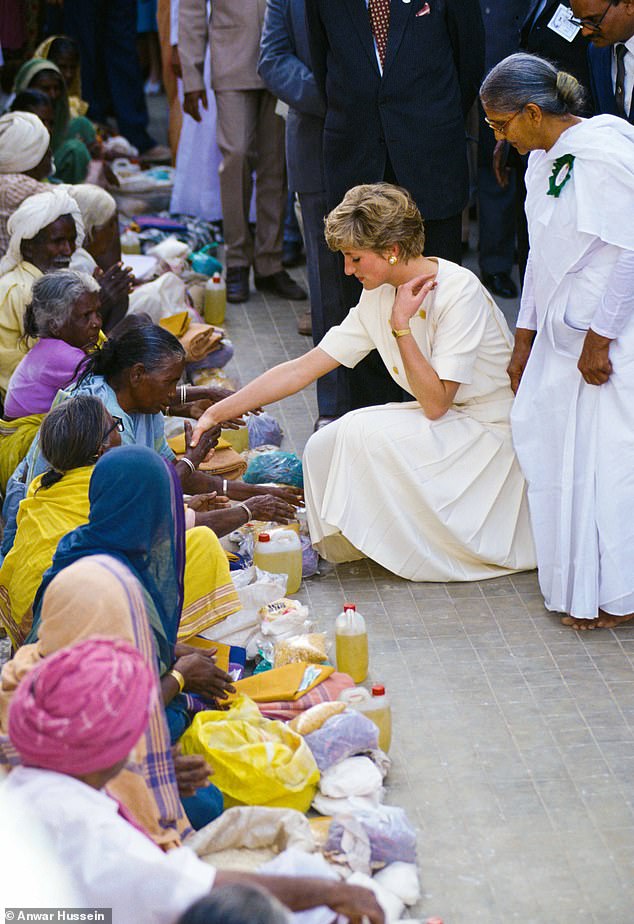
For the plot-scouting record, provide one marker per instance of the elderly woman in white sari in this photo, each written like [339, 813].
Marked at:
[573, 361]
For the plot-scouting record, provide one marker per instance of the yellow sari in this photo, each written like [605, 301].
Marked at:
[45, 516]
[16, 437]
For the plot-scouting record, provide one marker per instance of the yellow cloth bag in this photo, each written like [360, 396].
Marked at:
[256, 761]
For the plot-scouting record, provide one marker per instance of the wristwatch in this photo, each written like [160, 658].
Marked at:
[400, 333]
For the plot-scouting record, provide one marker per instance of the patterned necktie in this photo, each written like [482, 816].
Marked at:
[619, 89]
[380, 21]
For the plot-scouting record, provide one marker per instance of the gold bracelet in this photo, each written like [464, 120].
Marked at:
[178, 677]
[400, 333]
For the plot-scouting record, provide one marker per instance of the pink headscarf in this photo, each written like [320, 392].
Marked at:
[83, 708]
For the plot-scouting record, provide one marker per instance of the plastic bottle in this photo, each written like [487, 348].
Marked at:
[351, 639]
[375, 706]
[130, 242]
[280, 552]
[215, 300]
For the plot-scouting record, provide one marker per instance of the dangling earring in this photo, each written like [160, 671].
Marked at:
[392, 259]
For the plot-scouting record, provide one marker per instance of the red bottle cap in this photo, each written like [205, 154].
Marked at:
[349, 606]
[434, 921]
[378, 689]
[264, 537]
[216, 277]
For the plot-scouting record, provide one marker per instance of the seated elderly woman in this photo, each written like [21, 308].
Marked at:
[64, 317]
[73, 723]
[25, 160]
[430, 489]
[67, 441]
[64, 313]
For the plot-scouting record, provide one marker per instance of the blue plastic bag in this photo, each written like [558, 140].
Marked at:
[277, 467]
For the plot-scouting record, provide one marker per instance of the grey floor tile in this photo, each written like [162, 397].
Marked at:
[513, 736]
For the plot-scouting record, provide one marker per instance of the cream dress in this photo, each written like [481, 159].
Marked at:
[431, 500]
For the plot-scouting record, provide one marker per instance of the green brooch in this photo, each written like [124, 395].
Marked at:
[562, 171]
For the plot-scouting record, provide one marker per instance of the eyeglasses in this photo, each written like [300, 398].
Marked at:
[117, 425]
[500, 128]
[594, 26]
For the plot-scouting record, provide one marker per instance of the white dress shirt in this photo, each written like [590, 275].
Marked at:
[110, 864]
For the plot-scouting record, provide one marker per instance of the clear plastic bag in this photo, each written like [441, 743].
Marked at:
[264, 430]
[309, 649]
[342, 736]
[385, 831]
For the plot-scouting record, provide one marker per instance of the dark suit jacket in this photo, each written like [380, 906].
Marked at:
[600, 63]
[503, 20]
[414, 113]
[284, 68]
[538, 39]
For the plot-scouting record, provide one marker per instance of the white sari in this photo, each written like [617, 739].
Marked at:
[574, 441]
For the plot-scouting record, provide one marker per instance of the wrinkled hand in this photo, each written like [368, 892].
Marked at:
[203, 677]
[116, 283]
[594, 363]
[175, 62]
[519, 357]
[207, 442]
[293, 496]
[192, 772]
[409, 297]
[355, 903]
[501, 172]
[191, 103]
[202, 503]
[269, 507]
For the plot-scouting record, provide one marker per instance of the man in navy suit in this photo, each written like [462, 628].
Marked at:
[284, 66]
[609, 24]
[496, 205]
[397, 113]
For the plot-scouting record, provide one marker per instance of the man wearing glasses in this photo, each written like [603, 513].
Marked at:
[610, 28]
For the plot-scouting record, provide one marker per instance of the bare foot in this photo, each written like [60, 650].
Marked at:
[607, 621]
[581, 625]
[602, 621]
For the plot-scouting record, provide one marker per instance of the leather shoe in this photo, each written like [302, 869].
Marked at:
[323, 421]
[305, 325]
[237, 281]
[281, 284]
[500, 284]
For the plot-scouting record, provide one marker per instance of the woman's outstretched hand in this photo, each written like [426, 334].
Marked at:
[207, 421]
[409, 297]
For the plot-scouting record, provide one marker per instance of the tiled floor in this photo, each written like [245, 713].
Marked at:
[513, 736]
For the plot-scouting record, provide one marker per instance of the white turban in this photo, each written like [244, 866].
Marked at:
[24, 140]
[95, 204]
[35, 213]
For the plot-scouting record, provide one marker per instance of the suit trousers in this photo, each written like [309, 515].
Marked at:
[496, 209]
[326, 300]
[110, 71]
[251, 140]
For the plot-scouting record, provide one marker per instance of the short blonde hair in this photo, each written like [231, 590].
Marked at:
[376, 216]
